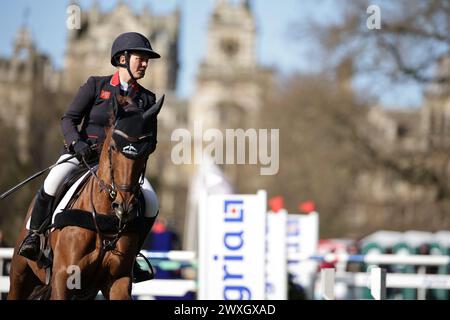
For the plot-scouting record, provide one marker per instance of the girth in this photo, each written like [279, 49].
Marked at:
[107, 224]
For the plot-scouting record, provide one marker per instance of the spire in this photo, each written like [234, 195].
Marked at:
[94, 12]
[146, 10]
[74, 2]
[247, 5]
[26, 15]
[220, 3]
[23, 39]
[95, 5]
[178, 7]
[124, 5]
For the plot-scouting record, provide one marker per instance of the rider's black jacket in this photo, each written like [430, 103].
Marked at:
[92, 108]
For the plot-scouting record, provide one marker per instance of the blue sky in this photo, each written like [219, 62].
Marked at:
[47, 20]
[275, 48]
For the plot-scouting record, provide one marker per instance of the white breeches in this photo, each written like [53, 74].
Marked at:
[57, 175]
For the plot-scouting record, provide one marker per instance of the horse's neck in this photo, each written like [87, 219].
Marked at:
[93, 198]
[101, 197]
[104, 169]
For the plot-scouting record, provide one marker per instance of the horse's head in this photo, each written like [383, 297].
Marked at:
[127, 146]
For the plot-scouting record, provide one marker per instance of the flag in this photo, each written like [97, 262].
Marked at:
[208, 179]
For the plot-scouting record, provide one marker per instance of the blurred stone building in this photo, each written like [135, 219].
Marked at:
[28, 80]
[382, 198]
[230, 89]
[230, 85]
[435, 117]
[89, 48]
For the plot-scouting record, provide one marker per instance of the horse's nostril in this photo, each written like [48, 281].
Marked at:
[117, 207]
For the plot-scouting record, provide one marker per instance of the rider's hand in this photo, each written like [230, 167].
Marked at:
[82, 149]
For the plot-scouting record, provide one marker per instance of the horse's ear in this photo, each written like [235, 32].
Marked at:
[155, 108]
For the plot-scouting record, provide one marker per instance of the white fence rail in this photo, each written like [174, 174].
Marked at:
[377, 279]
[398, 280]
[376, 258]
[376, 282]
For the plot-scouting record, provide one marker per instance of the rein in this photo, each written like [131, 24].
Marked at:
[112, 190]
[107, 244]
[102, 184]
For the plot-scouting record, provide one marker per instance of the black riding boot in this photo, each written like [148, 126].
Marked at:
[30, 247]
[140, 274]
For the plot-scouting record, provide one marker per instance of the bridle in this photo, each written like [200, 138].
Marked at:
[113, 188]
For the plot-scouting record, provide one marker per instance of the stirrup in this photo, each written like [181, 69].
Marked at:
[141, 274]
[34, 256]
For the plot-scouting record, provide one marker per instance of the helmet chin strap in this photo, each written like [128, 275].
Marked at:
[127, 65]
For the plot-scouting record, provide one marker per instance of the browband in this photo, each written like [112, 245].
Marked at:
[131, 139]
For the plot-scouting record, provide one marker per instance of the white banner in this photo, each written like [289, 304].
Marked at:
[302, 240]
[276, 267]
[232, 247]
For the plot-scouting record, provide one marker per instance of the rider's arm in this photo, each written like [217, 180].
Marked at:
[80, 104]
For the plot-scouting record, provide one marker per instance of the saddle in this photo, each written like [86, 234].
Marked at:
[75, 217]
[69, 182]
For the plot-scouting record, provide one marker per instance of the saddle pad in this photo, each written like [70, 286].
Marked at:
[65, 200]
[84, 219]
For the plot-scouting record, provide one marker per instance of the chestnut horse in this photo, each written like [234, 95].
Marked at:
[102, 262]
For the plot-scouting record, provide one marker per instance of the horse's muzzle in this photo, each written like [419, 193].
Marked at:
[118, 209]
[122, 212]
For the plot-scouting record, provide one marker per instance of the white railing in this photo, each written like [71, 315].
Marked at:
[377, 279]
[376, 258]
[6, 253]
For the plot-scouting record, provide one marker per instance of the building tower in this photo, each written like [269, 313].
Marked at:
[89, 48]
[230, 83]
[28, 77]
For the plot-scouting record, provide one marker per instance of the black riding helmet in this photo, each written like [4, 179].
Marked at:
[131, 41]
[127, 43]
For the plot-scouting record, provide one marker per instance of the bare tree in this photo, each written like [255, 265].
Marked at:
[318, 159]
[328, 145]
[411, 44]
[414, 36]
[45, 144]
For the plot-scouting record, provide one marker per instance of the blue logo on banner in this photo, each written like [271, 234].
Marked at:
[233, 211]
[233, 242]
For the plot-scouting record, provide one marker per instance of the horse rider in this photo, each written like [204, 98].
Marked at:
[130, 54]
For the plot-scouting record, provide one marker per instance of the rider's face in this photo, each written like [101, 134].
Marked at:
[138, 64]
